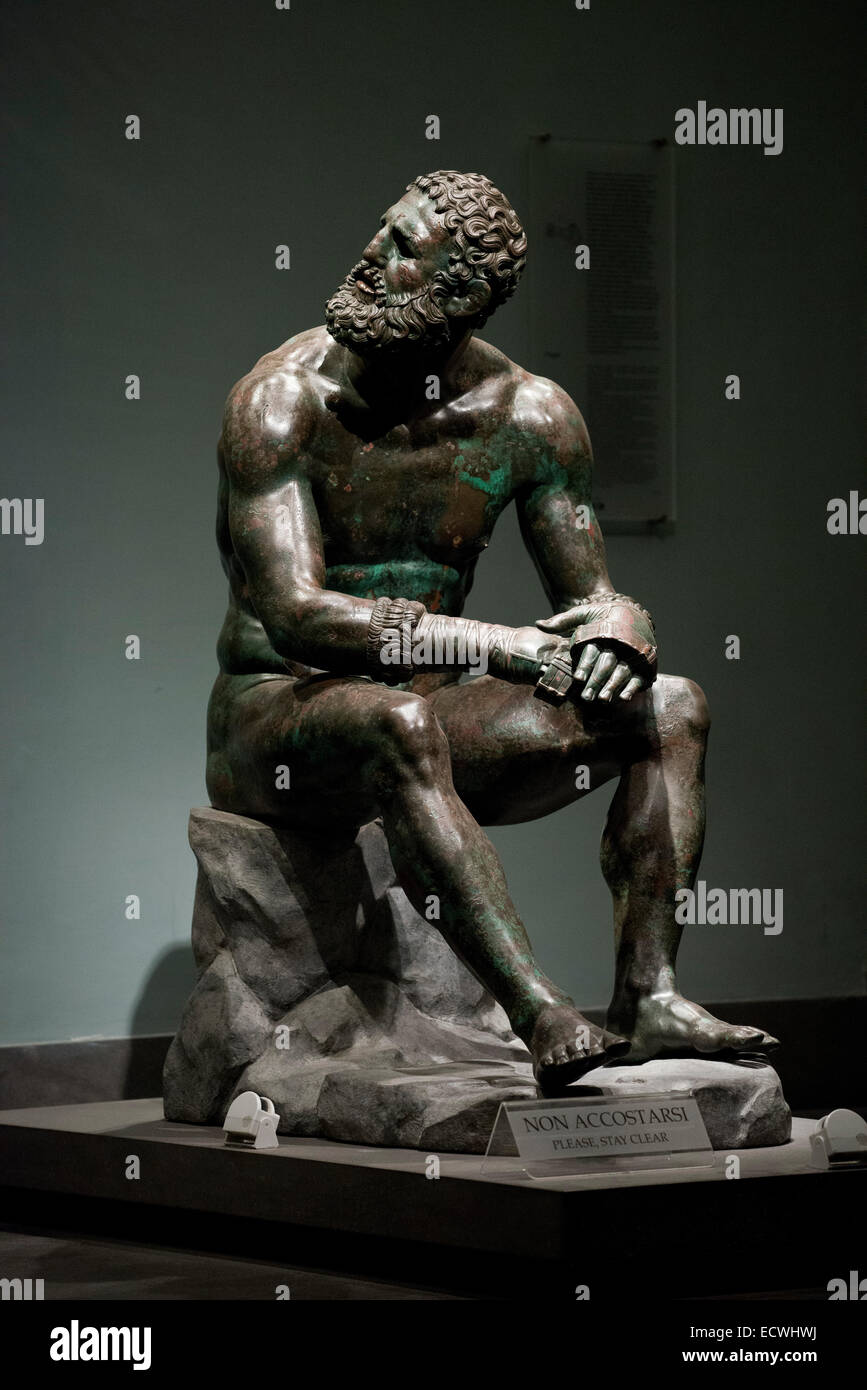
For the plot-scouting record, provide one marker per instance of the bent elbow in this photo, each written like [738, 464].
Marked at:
[297, 632]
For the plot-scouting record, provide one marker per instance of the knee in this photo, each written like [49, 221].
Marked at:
[681, 707]
[410, 737]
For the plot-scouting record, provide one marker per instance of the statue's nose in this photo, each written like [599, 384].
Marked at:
[373, 250]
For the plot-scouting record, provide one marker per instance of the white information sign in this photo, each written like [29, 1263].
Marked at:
[595, 1133]
[602, 1126]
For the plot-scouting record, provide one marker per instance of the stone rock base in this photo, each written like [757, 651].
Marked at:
[741, 1103]
[321, 987]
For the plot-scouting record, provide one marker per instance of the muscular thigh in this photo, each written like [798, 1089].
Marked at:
[321, 731]
[513, 756]
[516, 757]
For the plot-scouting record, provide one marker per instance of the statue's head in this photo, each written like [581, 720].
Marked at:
[445, 257]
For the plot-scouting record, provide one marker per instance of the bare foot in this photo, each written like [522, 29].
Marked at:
[666, 1024]
[564, 1045]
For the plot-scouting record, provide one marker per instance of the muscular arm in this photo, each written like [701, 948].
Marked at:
[561, 532]
[276, 536]
[555, 510]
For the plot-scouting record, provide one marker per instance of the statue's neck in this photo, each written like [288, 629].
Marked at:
[403, 382]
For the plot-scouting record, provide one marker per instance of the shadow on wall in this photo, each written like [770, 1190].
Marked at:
[157, 1011]
[164, 993]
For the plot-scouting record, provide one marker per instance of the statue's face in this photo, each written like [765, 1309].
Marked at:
[393, 296]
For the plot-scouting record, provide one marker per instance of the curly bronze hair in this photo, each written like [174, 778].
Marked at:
[491, 243]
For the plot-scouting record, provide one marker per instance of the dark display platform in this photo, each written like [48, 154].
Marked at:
[781, 1226]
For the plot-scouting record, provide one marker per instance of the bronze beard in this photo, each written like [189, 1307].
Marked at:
[372, 325]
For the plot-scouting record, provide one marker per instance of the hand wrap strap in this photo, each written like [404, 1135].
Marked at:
[389, 639]
[555, 681]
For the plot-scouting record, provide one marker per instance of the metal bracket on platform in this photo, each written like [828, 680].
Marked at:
[839, 1138]
[251, 1122]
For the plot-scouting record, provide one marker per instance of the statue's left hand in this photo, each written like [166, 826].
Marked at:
[613, 646]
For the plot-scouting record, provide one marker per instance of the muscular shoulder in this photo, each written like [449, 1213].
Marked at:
[533, 405]
[271, 412]
[544, 412]
[554, 446]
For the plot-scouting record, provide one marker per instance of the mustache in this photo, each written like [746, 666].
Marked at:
[375, 278]
[372, 275]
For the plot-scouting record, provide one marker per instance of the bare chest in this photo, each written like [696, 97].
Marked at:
[410, 494]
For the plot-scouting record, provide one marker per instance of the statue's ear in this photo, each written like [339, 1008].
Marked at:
[474, 301]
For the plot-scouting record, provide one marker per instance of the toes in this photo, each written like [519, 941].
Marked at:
[712, 1035]
[750, 1039]
[727, 1039]
[582, 1047]
[757, 1041]
[746, 1035]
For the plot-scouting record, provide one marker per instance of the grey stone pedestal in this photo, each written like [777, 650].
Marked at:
[323, 989]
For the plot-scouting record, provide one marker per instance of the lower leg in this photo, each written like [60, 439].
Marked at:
[651, 847]
[438, 848]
